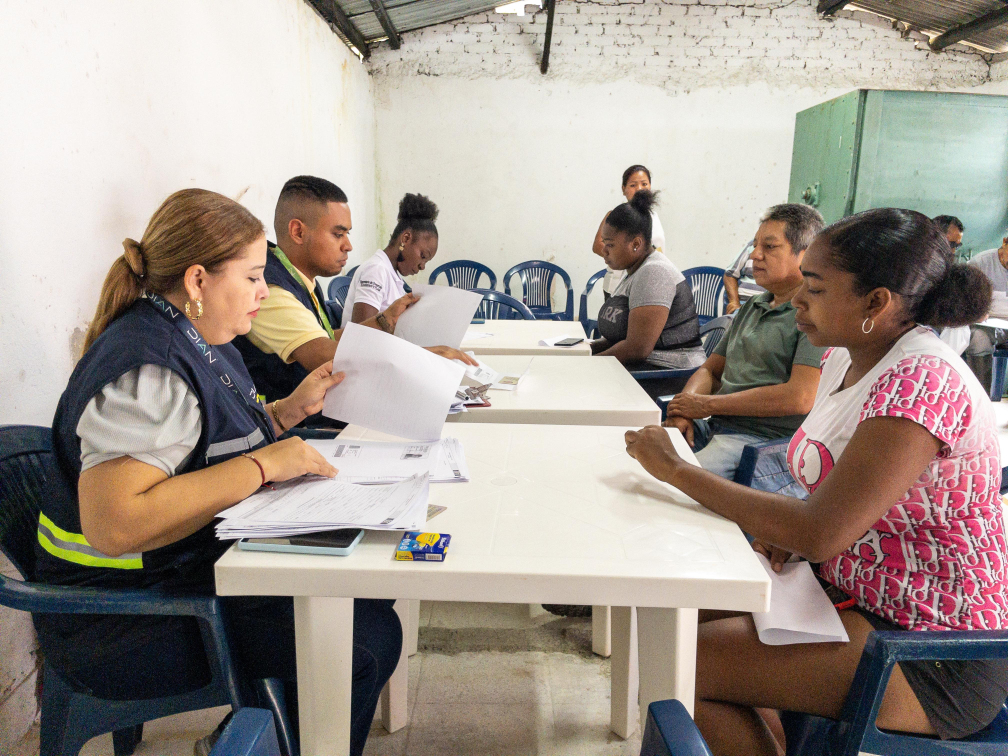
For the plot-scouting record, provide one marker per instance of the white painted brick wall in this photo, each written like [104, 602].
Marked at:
[682, 45]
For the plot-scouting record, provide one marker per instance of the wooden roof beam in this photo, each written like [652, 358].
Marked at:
[964, 31]
[386, 23]
[331, 11]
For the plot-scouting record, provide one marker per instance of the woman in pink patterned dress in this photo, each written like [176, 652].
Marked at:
[901, 461]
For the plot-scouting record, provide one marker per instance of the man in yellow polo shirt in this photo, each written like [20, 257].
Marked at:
[292, 334]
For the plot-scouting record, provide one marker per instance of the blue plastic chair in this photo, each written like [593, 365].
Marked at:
[753, 453]
[350, 273]
[590, 324]
[855, 732]
[710, 334]
[498, 306]
[707, 284]
[670, 731]
[249, 733]
[537, 280]
[71, 715]
[338, 288]
[464, 274]
[334, 310]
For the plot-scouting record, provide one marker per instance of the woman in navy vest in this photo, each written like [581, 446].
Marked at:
[158, 431]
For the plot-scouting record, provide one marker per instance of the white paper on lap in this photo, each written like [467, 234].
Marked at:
[800, 611]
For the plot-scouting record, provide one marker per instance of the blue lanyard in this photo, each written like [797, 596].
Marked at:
[172, 314]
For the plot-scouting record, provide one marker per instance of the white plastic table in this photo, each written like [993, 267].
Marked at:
[553, 514]
[523, 336]
[561, 391]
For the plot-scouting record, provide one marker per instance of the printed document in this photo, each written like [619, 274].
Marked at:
[800, 611]
[372, 462]
[391, 385]
[311, 505]
[484, 375]
[440, 318]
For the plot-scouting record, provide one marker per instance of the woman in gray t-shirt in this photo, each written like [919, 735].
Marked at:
[651, 316]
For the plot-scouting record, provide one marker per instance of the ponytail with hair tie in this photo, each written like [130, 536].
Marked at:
[134, 258]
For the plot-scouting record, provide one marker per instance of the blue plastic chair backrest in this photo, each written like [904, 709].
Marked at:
[349, 273]
[537, 280]
[338, 289]
[335, 311]
[464, 274]
[712, 332]
[25, 456]
[251, 732]
[499, 306]
[707, 284]
[589, 323]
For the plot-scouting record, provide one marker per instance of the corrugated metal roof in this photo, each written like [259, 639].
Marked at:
[408, 15]
[938, 17]
[928, 16]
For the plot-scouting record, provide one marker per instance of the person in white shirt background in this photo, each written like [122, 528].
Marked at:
[635, 178]
[379, 280]
[953, 228]
[980, 352]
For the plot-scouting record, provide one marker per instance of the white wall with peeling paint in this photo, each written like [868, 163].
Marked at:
[109, 106]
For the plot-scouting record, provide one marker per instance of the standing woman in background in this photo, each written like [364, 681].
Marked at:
[379, 280]
[159, 430]
[635, 178]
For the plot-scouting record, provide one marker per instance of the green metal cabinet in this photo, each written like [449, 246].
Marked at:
[939, 153]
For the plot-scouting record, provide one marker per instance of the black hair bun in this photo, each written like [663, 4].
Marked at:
[962, 297]
[417, 207]
[644, 200]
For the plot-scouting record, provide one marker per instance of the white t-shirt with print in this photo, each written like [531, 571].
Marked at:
[937, 559]
[375, 283]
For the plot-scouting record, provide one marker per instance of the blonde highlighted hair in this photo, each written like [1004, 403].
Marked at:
[192, 227]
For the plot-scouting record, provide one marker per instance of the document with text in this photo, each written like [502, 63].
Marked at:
[312, 505]
[371, 462]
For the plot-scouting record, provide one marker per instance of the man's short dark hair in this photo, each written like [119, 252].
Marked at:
[944, 221]
[302, 191]
[802, 223]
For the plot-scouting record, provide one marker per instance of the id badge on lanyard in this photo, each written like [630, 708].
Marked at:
[217, 364]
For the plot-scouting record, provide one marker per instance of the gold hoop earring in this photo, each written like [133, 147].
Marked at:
[199, 310]
[870, 328]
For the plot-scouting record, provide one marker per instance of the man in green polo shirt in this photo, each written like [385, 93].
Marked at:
[761, 380]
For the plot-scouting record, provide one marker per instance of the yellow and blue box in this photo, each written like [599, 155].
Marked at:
[422, 547]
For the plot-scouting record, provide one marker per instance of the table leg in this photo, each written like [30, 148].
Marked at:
[323, 631]
[414, 628]
[667, 641]
[394, 710]
[601, 633]
[623, 680]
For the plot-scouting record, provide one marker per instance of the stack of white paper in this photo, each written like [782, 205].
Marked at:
[440, 318]
[371, 462]
[391, 385]
[313, 505]
[800, 611]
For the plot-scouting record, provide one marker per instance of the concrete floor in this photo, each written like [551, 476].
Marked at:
[488, 679]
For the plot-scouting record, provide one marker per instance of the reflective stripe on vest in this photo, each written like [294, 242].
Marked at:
[234, 445]
[73, 547]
